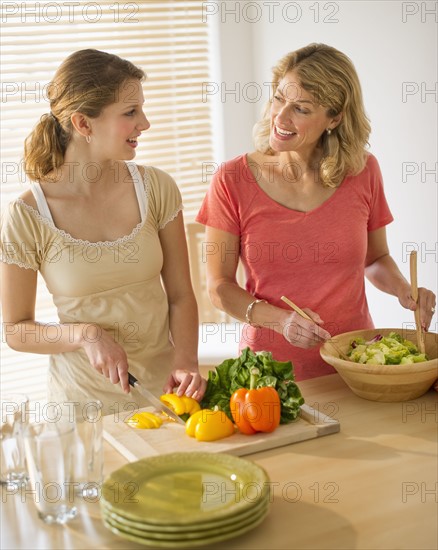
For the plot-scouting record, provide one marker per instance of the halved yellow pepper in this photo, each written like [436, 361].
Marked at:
[208, 425]
[144, 421]
[182, 405]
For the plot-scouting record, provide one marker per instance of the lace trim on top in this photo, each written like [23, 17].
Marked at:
[5, 259]
[70, 238]
[171, 217]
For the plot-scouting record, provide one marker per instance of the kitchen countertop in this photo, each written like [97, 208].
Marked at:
[373, 485]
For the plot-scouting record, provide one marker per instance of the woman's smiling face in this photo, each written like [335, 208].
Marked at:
[297, 121]
[115, 131]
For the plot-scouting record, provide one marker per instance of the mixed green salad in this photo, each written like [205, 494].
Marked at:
[385, 350]
[233, 374]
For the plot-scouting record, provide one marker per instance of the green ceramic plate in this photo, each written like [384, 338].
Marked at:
[146, 529]
[183, 540]
[184, 488]
[195, 533]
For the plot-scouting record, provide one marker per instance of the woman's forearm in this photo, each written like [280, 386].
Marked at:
[48, 338]
[183, 322]
[229, 297]
[384, 274]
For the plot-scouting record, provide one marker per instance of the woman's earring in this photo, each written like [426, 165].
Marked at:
[328, 131]
[88, 139]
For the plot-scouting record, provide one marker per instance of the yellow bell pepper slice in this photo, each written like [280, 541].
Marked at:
[208, 425]
[144, 421]
[182, 405]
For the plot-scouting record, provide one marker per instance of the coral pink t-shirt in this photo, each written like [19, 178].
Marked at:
[315, 258]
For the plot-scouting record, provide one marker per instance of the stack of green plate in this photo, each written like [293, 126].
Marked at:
[183, 500]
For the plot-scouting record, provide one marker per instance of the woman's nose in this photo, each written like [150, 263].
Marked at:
[283, 116]
[144, 123]
[286, 110]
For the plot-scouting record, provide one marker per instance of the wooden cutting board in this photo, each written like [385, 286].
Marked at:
[135, 444]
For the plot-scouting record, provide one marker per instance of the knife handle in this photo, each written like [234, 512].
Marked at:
[132, 379]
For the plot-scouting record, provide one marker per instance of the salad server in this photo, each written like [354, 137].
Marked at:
[414, 294]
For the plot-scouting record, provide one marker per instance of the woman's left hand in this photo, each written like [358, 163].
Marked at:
[426, 303]
[189, 382]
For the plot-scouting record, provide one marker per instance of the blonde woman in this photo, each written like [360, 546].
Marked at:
[108, 238]
[306, 214]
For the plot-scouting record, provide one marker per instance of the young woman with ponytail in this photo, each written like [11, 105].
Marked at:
[108, 238]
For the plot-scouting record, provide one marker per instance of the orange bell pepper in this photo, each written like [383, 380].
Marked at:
[255, 410]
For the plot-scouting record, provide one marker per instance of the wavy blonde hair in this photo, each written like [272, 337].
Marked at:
[86, 82]
[331, 77]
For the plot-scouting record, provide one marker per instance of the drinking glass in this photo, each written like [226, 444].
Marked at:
[88, 469]
[14, 418]
[50, 454]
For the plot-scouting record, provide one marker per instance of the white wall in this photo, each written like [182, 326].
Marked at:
[394, 48]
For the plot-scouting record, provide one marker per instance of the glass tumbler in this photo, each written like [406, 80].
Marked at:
[50, 454]
[14, 418]
[88, 469]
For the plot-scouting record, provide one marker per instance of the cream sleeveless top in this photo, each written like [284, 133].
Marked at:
[116, 284]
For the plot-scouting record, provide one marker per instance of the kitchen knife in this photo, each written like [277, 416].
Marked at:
[150, 397]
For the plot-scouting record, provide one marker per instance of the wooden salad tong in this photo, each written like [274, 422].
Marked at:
[414, 294]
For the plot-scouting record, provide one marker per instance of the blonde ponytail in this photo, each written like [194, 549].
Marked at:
[44, 148]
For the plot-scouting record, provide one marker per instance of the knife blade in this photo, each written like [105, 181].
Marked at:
[150, 397]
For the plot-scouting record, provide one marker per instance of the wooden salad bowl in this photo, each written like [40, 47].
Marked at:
[390, 383]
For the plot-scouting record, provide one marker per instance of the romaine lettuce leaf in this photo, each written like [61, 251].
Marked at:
[385, 350]
[233, 374]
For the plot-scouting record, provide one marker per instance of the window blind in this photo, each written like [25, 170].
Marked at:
[169, 40]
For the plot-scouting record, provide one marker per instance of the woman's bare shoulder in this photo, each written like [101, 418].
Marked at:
[28, 198]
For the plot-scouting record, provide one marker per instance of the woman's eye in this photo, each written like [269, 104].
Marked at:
[130, 113]
[278, 98]
[302, 111]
